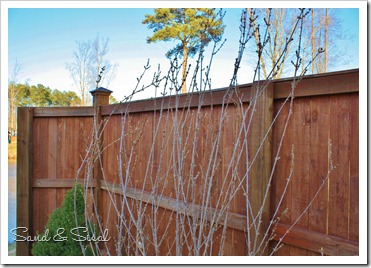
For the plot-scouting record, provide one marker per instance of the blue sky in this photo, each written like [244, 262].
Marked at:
[43, 40]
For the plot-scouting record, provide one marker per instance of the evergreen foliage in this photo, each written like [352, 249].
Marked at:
[195, 28]
[40, 96]
[63, 242]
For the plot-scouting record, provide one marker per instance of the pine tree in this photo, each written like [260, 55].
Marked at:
[195, 28]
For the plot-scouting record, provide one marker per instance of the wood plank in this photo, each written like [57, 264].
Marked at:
[162, 158]
[300, 181]
[84, 130]
[41, 127]
[228, 243]
[317, 242]
[37, 227]
[188, 100]
[281, 196]
[51, 144]
[223, 179]
[331, 83]
[354, 169]
[61, 193]
[59, 183]
[43, 207]
[24, 177]
[75, 154]
[319, 162]
[62, 143]
[52, 162]
[339, 178]
[283, 159]
[260, 169]
[36, 170]
[239, 201]
[234, 220]
[63, 111]
[145, 159]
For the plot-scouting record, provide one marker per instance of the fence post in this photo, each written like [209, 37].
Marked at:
[100, 97]
[260, 171]
[24, 179]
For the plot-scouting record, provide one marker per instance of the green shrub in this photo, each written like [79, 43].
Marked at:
[61, 241]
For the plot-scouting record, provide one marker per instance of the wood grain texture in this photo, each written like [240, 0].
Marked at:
[234, 220]
[339, 179]
[24, 177]
[354, 169]
[152, 162]
[319, 163]
[60, 183]
[64, 112]
[317, 242]
[310, 85]
[260, 157]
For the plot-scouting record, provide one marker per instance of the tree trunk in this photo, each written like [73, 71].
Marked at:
[326, 41]
[184, 68]
[313, 42]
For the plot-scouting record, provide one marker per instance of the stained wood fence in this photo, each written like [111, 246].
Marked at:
[52, 149]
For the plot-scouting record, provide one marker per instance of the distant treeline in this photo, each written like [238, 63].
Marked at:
[25, 95]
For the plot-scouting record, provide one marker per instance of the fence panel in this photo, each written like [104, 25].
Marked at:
[321, 136]
[160, 157]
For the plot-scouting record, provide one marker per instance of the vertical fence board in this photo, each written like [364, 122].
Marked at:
[301, 142]
[52, 162]
[260, 170]
[62, 152]
[37, 144]
[353, 170]
[339, 178]
[281, 205]
[24, 177]
[300, 180]
[319, 133]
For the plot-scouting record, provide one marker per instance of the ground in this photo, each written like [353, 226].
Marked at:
[12, 150]
[11, 249]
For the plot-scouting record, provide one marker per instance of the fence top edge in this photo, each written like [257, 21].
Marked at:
[150, 104]
[88, 111]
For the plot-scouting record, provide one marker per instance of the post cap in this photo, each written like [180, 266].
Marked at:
[100, 90]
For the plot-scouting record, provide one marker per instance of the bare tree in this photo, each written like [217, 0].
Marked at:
[88, 60]
[320, 31]
[100, 50]
[80, 69]
[280, 22]
[323, 40]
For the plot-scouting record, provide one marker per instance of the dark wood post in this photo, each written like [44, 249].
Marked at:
[100, 97]
[261, 169]
[24, 179]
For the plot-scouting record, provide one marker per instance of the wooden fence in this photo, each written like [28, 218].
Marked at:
[323, 132]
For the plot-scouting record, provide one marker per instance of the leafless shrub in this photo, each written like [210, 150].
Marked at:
[193, 218]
